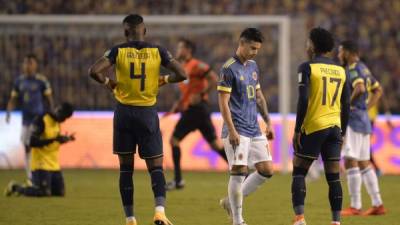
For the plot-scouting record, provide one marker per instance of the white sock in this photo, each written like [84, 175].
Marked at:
[28, 165]
[354, 185]
[236, 197]
[370, 181]
[160, 209]
[131, 218]
[252, 182]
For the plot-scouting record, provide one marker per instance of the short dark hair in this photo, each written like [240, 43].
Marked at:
[188, 44]
[350, 46]
[133, 20]
[322, 40]
[31, 56]
[252, 34]
[67, 109]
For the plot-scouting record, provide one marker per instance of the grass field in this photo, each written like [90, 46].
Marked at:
[93, 199]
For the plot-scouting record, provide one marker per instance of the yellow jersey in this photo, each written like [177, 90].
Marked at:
[137, 69]
[46, 157]
[325, 80]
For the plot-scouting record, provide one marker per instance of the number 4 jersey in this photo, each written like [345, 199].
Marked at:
[325, 82]
[137, 66]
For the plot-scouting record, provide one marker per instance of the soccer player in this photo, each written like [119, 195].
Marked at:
[194, 107]
[239, 96]
[31, 91]
[136, 124]
[321, 121]
[45, 141]
[356, 150]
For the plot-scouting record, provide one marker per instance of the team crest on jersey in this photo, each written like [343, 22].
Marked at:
[241, 77]
[254, 75]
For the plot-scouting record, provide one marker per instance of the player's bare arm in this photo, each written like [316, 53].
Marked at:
[376, 95]
[263, 110]
[96, 72]
[212, 78]
[359, 89]
[223, 101]
[178, 74]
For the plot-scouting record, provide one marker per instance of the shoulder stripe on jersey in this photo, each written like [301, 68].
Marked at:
[353, 66]
[229, 62]
[41, 77]
[375, 85]
[225, 89]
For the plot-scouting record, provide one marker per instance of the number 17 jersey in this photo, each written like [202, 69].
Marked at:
[325, 82]
[137, 67]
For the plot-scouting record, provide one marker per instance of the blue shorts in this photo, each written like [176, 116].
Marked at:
[137, 126]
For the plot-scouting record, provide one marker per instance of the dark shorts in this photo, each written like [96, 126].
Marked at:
[196, 117]
[49, 183]
[326, 142]
[137, 126]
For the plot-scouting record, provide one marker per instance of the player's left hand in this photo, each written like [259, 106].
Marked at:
[296, 141]
[269, 133]
[111, 85]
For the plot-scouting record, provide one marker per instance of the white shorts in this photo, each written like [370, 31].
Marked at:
[249, 152]
[356, 145]
[25, 135]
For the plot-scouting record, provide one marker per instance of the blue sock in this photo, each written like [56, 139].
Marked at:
[126, 188]
[158, 185]
[335, 194]
[298, 189]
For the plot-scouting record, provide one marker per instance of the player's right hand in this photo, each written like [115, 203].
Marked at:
[234, 139]
[162, 80]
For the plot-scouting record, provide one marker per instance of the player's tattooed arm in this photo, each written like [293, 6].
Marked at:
[263, 110]
[223, 102]
[98, 68]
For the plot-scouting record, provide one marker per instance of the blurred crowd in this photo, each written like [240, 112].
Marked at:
[373, 23]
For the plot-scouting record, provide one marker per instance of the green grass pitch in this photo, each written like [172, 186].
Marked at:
[93, 199]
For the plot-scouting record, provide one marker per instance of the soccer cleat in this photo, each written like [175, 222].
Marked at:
[335, 223]
[161, 219]
[375, 211]
[350, 212]
[10, 189]
[299, 220]
[242, 223]
[131, 222]
[224, 203]
[173, 185]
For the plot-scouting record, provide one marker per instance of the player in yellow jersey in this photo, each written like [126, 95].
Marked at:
[45, 141]
[322, 116]
[137, 65]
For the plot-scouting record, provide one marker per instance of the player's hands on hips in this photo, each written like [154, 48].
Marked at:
[234, 138]
[269, 132]
[111, 85]
[65, 138]
[162, 80]
[296, 141]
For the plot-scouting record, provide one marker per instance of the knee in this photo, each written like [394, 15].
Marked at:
[126, 167]
[363, 164]
[265, 169]
[299, 172]
[332, 177]
[350, 163]
[239, 170]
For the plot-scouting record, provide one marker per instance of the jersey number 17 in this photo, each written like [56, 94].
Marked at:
[337, 81]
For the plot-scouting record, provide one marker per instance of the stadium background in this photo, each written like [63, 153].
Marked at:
[66, 51]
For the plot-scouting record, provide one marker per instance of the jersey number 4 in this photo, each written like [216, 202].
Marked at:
[331, 80]
[141, 76]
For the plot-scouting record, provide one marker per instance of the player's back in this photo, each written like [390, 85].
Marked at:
[326, 81]
[137, 66]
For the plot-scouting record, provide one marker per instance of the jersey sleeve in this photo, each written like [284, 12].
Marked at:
[46, 87]
[374, 84]
[203, 68]
[258, 86]
[303, 73]
[111, 54]
[226, 78]
[355, 77]
[15, 89]
[165, 55]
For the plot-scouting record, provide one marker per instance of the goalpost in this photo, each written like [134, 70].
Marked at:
[14, 24]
